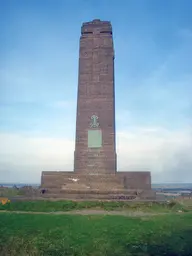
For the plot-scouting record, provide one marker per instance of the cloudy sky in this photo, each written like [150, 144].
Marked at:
[39, 42]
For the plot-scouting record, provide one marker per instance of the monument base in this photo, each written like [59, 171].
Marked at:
[74, 185]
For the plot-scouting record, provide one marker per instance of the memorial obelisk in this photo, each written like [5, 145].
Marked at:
[95, 169]
[95, 121]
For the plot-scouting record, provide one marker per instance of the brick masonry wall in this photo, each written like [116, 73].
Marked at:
[96, 97]
[132, 180]
[120, 180]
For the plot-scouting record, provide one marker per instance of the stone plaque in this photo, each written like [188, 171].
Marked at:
[94, 138]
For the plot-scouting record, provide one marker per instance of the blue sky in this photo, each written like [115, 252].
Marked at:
[39, 44]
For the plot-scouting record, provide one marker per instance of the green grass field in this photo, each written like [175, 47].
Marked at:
[36, 235]
[99, 235]
[51, 206]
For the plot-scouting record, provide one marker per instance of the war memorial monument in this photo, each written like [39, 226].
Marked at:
[95, 174]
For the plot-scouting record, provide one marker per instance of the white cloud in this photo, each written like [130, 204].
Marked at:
[167, 154]
[159, 150]
[22, 158]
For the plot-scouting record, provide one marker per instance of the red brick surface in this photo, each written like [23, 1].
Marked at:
[96, 97]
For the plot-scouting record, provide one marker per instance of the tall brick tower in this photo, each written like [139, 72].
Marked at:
[95, 151]
[95, 175]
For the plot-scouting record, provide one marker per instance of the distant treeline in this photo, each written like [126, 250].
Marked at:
[174, 189]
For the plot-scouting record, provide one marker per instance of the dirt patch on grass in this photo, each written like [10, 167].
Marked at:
[93, 212]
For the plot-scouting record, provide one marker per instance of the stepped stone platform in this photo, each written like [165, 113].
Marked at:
[122, 185]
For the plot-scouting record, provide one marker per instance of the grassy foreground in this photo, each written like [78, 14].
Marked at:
[53, 206]
[56, 235]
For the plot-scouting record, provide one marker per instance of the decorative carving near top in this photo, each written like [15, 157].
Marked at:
[94, 123]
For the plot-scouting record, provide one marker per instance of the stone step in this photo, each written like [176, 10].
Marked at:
[98, 194]
[62, 180]
[88, 191]
[92, 186]
[91, 196]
